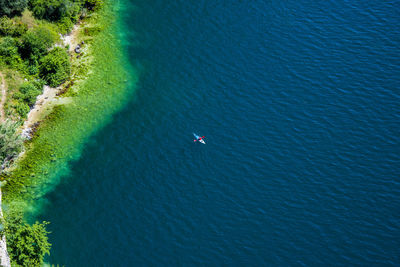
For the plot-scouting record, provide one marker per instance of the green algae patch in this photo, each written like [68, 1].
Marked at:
[109, 84]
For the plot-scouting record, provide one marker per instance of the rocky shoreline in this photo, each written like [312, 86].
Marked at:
[4, 257]
[42, 107]
[49, 97]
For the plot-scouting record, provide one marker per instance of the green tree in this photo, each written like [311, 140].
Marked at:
[27, 244]
[22, 109]
[35, 42]
[9, 51]
[55, 67]
[26, 97]
[12, 7]
[64, 12]
[10, 142]
[19, 27]
[12, 27]
[54, 10]
[29, 92]
[6, 26]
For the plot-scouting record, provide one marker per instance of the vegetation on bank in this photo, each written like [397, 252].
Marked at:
[30, 42]
[32, 55]
[26, 244]
[10, 142]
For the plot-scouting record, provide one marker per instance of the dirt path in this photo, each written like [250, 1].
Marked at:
[3, 97]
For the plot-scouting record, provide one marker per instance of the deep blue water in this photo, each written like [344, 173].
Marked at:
[299, 103]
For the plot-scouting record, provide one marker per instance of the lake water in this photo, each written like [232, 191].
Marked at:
[299, 103]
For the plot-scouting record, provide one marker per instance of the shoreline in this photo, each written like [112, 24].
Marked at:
[4, 257]
[49, 97]
[102, 81]
[82, 98]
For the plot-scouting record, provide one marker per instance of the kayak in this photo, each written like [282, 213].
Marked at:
[198, 138]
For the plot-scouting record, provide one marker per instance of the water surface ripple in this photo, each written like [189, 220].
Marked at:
[299, 101]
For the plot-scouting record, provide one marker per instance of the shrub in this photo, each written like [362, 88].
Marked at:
[93, 4]
[36, 42]
[12, 7]
[55, 67]
[9, 27]
[27, 93]
[32, 66]
[6, 26]
[64, 25]
[19, 28]
[10, 142]
[38, 83]
[64, 12]
[9, 51]
[22, 109]
[54, 10]
[27, 244]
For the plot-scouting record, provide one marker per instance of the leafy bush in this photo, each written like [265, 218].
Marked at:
[38, 83]
[19, 28]
[22, 109]
[10, 142]
[12, 7]
[27, 244]
[64, 12]
[27, 93]
[6, 26]
[93, 4]
[12, 27]
[55, 68]
[64, 25]
[54, 10]
[9, 51]
[32, 66]
[36, 42]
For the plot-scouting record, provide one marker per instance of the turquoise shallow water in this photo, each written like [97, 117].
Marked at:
[299, 103]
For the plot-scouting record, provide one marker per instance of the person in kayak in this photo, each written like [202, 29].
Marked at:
[198, 138]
